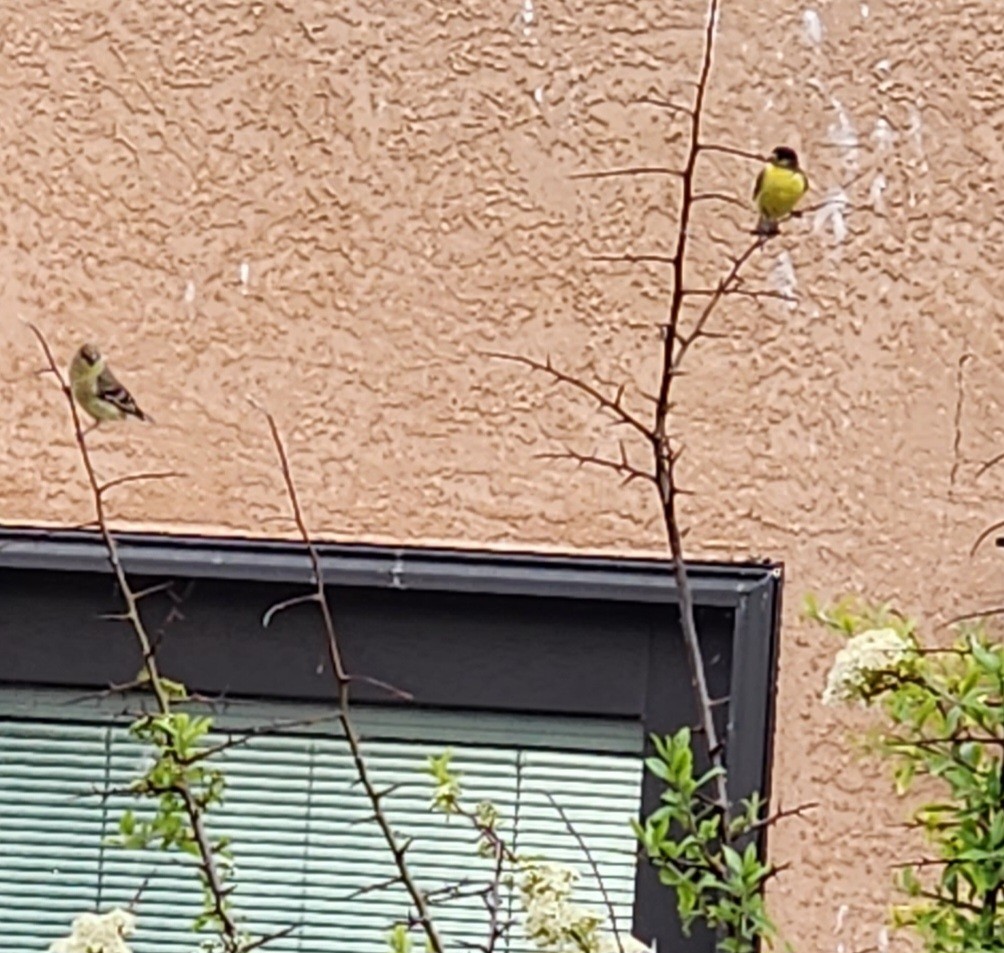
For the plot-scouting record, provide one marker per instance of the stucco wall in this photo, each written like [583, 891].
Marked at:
[335, 207]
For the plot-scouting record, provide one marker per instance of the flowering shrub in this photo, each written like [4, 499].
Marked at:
[98, 933]
[944, 714]
[869, 663]
[551, 919]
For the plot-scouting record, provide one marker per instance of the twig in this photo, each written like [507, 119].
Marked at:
[137, 477]
[137, 896]
[584, 847]
[630, 170]
[992, 462]
[780, 814]
[720, 197]
[374, 888]
[614, 405]
[621, 467]
[206, 858]
[989, 531]
[730, 151]
[979, 614]
[398, 849]
[663, 104]
[756, 294]
[724, 286]
[261, 941]
[238, 739]
[635, 259]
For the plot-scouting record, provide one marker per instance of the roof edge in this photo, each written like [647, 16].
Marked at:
[393, 567]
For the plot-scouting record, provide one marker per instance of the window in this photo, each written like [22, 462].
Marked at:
[543, 674]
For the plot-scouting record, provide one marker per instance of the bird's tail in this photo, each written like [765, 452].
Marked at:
[766, 226]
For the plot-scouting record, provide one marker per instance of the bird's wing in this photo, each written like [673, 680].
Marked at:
[805, 183]
[758, 185]
[109, 389]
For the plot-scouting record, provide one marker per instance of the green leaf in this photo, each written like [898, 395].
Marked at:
[988, 660]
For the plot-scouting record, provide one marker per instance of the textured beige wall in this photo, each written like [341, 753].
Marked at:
[335, 206]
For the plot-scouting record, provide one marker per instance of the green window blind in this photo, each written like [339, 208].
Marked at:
[300, 840]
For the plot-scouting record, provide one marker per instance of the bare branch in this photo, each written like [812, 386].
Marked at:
[990, 464]
[274, 610]
[664, 460]
[635, 259]
[721, 197]
[391, 690]
[724, 286]
[989, 531]
[373, 888]
[780, 814]
[741, 292]
[153, 590]
[622, 468]
[397, 848]
[979, 614]
[138, 895]
[664, 104]
[613, 405]
[629, 171]
[137, 477]
[584, 847]
[730, 151]
[960, 400]
[270, 938]
[245, 737]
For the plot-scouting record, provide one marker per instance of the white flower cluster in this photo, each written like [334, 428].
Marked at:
[871, 653]
[98, 933]
[555, 924]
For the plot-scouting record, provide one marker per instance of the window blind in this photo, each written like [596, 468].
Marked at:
[297, 819]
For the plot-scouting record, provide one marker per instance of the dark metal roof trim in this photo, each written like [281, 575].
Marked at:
[398, 567]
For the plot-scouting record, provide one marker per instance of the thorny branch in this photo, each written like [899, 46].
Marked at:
[613, 404]
[664, 455]
[676, 342]
[678, 338]
[206, 860]
[398, 848]
[622, 467]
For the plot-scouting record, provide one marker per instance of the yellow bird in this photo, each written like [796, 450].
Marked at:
[779, 186]
[97, 390]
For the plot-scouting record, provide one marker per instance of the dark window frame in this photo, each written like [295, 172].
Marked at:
[506, 632]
